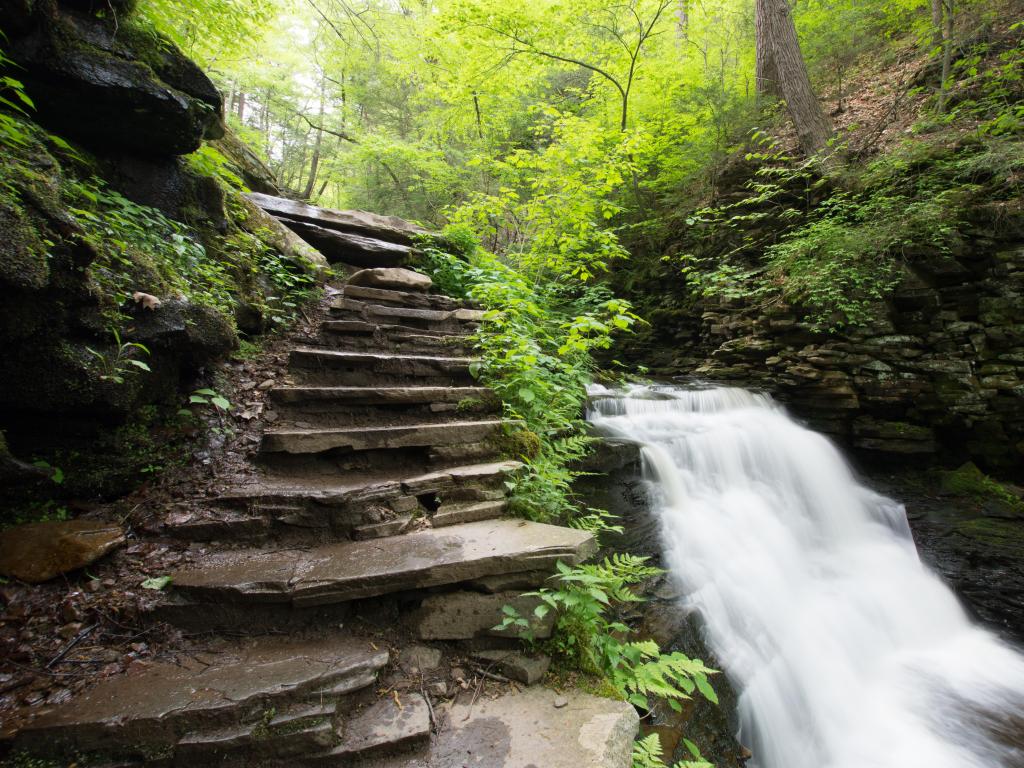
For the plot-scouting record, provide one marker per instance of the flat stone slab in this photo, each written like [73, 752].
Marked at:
[379, 395]
[386, 726]
[345, 571]
[399, 298]
[392, 278]
[465, 615]
[455, 514]
[377, 438]
[289, 490]
[37, 552]
[526, 730]
[528, 670]
[160, 704]
[384, 363]
[374, 225]
[349, 248]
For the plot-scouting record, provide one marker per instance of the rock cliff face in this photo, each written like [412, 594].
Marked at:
[938, 377]
[111, 86]
[115, 110]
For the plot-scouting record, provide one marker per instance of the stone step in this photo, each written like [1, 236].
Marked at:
[390, 297]
[392, 339]
[256, 695]
[534, 727]
[388, 331]
[456, 514]
[456, 320]
[279, 736]
[386, 727]
[380, 438]
[379, 395]
[341, 368]
[339, 573]
[317, 508]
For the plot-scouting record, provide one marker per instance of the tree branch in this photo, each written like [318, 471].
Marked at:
[340, 134]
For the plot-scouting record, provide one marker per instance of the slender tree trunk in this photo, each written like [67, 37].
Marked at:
[947, 52]
[241, 105]
[779, 48]
[682, 21]
[936, 22]
[314, 163]
[479, 119]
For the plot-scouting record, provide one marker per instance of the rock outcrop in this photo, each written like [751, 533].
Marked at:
[112, 87]
[115, 108]
[937, 377]
[358, 238]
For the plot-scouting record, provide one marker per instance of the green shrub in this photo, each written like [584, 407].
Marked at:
[589, 638]
[535, 346]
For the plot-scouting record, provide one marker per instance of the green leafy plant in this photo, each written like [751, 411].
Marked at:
[208, 161]
[56, 473]
[115, 366]
[210, 397]
[536, 345]
[647, 753]
[588, 636]
[139, 248]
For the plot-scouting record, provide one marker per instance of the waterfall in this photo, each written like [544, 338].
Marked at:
[844, 649]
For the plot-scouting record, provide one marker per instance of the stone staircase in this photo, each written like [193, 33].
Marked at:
[379, 490]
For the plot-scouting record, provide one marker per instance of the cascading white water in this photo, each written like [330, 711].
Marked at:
[845, 650]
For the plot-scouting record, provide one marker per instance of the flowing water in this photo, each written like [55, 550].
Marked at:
[845, 650]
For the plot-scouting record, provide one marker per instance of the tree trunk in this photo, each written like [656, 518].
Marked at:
[682, 21]
[779, 48]
[766, 78]
[936, 23]
[947, 52]
[241, 106]
[314, 163]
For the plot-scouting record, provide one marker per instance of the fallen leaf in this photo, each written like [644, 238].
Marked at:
[157, 582]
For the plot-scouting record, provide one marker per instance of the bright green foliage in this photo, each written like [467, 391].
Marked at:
[589, 637]
[14, 99]
[211, 30]
[536, 343]
[207, 161]
[116, 364]
[140, 249]
[840, 257]
[647, 753]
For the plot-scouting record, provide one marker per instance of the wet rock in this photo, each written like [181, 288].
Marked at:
[387, 726]
[273, 688]
[392, 278]
[387, 228]
[37, 552]
[193, 333]
[465, 615]
[524, 730]
[515, 665]
[337, 573]
[420, 658]
[89, 81]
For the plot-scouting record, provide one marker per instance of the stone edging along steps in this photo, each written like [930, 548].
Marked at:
[379, 499]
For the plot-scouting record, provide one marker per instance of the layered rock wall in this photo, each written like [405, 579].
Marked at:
[937, 377]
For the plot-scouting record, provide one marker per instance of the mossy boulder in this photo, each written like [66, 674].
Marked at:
[112, 90]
